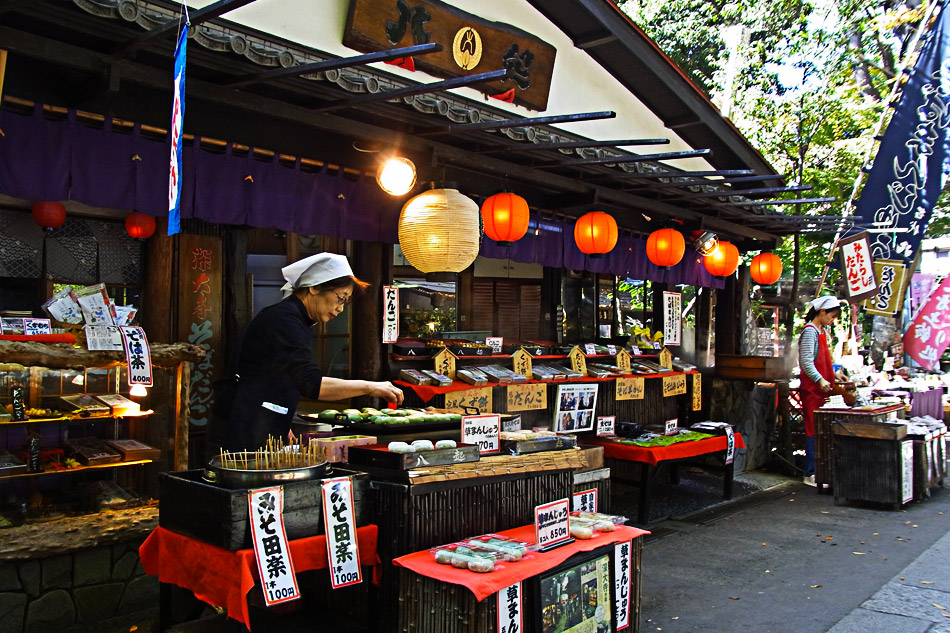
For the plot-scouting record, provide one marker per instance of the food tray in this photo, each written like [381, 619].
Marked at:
[379, 456]
[522, 447]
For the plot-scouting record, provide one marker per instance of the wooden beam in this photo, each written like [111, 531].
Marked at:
[759, 203]
[741, 192]
[539, 147]
[525, 122]
[632, 158]
[673, 174]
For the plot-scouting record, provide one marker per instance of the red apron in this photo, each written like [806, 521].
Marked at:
[812, 395]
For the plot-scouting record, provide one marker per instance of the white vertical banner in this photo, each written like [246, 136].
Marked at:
[907, 470]
[730, 445]
[340, 520]
[137, 355]
[510, 618]
[623, 577]
[390, 314]
[672, 318]
[858, 267]
[271, 550]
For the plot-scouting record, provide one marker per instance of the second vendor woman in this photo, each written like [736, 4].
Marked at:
[276, 367]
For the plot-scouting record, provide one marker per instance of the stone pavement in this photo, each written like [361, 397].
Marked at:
[787, 560]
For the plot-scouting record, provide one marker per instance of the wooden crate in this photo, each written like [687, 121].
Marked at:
[751, 367]
[824, 447]
[874, 470]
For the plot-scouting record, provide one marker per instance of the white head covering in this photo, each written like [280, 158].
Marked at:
[825, 303]
[314, 270]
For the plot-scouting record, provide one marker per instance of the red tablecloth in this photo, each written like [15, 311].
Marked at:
[39, 338]
[506, 574]
[657, 454]
[223, 578]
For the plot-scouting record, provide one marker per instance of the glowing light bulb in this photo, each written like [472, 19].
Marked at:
[396, 176]
[138, 390]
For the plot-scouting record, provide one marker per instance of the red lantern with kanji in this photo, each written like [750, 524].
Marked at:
[723, 261]
[765, 268]
[595, 233]
[666, 247]
[140, 225]
[49, 214]
[505, 217]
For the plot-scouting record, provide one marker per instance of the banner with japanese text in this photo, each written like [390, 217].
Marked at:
[857, 267]
[927, 337]
[890, 275]
[178, 119]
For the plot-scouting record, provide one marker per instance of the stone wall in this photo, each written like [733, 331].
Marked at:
[101, 588]
[750, 408]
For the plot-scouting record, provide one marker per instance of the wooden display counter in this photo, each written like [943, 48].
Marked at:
[824, 437]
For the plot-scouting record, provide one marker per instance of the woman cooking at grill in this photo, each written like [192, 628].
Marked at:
[275, 365]
[816, 370]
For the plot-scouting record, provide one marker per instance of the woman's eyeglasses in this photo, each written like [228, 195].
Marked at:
[342, 299]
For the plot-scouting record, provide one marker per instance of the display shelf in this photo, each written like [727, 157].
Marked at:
[73, 418]
[77, 469]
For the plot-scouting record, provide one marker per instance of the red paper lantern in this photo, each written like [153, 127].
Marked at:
[49, 214]
[595, 233]
[666, 247]
[140, 225]
[766, 268]
[723, 261]
[505, 216]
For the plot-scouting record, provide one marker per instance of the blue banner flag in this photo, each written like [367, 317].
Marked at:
[912, 162]
[178, 116]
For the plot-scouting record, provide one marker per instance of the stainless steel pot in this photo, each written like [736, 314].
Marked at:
[253, 477]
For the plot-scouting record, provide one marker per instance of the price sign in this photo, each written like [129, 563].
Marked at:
[513, 423]
[271, 548]
[697, 392]
[674, 385]
[522, 363]
[552, 522]
[529, 397]
[37, 326]
[390, 314]
[590, 349]
[578, 361]
[509, 606]
[623, 579]
[669, 427]
[342, 549]
[612, 350]
[584, 501]
[482, 430]
[623, 361]
[605, 424]
[672, 317]
[494, 342]
[630, 388]
[636, 350]
[666, 358]
[477, 398]
[445, 363]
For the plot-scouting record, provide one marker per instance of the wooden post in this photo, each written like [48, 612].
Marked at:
[182, 397]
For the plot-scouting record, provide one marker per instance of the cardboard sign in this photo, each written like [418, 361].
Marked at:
[578, 360]
[630, 388]
[584, 501]
[623, 361]
[495, 343]
[674, 385]
[666, 358]
[509, 609]
[672, 318]
[552, 523]
[605, 425]
[37, 326]
[479, 399]
[697, 392]
[528, 397]
[342, 548]
[391, 314]
[445, 363]
[857, 266]
[623, 578]
[669, 427]
[483, 431]
[522, 363]
[271, 550]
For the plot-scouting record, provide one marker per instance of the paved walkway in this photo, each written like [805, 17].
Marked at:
[787, 560]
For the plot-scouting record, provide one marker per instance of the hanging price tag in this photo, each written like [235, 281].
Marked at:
[271, 551]
[552, 523]
[482, 431]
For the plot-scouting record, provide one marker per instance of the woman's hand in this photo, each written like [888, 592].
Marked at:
[825, 385]
[387, 391]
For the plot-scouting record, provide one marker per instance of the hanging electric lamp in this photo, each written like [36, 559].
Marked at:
[140, 225]
[595, 233]
[396, 175]
[49, 214]
[665, 247]
[723, 261]
[505, 217]
[765, 268]
[438, 231]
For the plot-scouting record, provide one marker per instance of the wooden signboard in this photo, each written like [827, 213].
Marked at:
[697, 392]
[530, 397]
[478, 398]
[445, 363]
[666, 358]
[674, 385]
[623, 361]
[630, 388]
[578, 360]
[200, 303]
[522, 363]
[890, 275]
[470, 45]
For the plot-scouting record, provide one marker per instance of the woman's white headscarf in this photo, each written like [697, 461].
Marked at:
[314, 270]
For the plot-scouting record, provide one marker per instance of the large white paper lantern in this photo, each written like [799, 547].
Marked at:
[439, 231]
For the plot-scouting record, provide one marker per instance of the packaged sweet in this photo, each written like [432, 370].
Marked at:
[472, 376]
[415, 377]
[445, 444]
[441, 380]
[95, 305]
[481, 553]
[599, 521]
[63, 307]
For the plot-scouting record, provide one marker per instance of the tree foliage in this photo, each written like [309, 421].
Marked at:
[807, 86]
